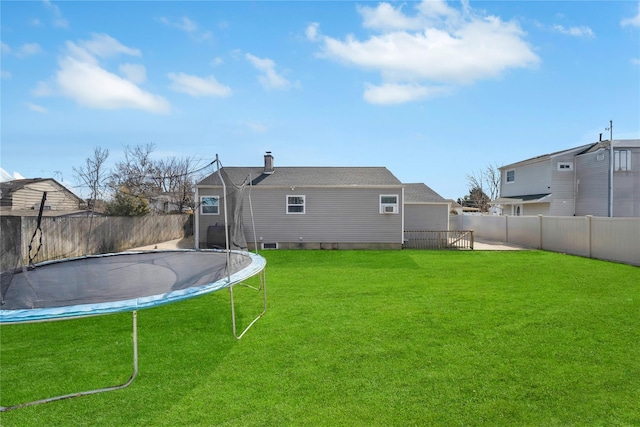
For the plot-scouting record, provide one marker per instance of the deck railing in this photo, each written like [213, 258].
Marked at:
[429, 239]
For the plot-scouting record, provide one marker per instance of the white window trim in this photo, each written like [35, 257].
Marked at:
[617, 156]
[384, 206]
[506, 176]
[568, 168]
[202, 212]
[304, 204]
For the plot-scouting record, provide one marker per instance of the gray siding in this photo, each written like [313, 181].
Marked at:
[426, 217]
[592, 184]
[626, 189]
[333, 215]
[562, 187]
[532, 178]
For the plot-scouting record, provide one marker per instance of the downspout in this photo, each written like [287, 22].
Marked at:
[402, 235]
[196, 223]
[611, 165]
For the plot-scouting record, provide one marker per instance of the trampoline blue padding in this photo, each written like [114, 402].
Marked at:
[120, 282]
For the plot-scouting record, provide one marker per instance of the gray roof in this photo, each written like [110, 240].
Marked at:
[548, 156]
[421, 193]
[617, 143]
[308, 176]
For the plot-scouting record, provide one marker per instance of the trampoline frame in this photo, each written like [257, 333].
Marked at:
[263, 286]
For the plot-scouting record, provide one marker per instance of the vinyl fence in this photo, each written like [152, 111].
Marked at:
[64, 237]
[612, 239]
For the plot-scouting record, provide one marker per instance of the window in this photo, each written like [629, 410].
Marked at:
[389, 204]
[565, 166]
[210, 205]
[622, 160]
[295, 204]
[511, 175]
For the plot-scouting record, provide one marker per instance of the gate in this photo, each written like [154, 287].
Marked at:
[428, 239]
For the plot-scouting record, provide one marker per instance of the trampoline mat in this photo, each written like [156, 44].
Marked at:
[119, 277]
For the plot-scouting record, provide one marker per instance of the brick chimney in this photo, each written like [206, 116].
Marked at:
[268, 163]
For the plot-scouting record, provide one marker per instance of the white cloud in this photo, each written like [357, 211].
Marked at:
[36, 108]
[43, 89]
[392, 93]
[29, 49]
[635, 61]
[633, 22]
[387, 18]
[438, 45]
[270, 79]
[188, 26]
[312, 31]
[105, 46]
[92, 86]
[198, 86]
[58, 20]
[5, 48]
[5, 74]
[82, 78]
[6, 176]
[135, 73]
[581, 31]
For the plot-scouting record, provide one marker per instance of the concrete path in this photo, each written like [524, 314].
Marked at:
[188, 243]
[486, 245]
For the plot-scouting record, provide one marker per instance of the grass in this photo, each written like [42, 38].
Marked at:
[355, 338]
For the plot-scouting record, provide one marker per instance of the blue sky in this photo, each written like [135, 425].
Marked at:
[432, 90]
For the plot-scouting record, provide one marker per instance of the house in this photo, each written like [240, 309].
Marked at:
[574, 182]
[318, 207]
[424, 209]
[23, 197]
[592, 179]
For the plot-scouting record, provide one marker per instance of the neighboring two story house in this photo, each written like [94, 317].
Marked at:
[574, 182]
[23, 197]
[314, 207]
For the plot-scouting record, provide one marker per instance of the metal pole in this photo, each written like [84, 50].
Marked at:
[611, 165]
[100, 390]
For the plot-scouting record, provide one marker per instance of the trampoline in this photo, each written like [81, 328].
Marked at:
[103, 284]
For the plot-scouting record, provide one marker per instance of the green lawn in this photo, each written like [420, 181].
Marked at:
[355, 338]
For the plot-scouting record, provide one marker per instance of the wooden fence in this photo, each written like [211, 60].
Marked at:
[64, 237]
[452, 239]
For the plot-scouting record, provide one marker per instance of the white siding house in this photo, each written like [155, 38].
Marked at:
[574, 182]
[24, 197]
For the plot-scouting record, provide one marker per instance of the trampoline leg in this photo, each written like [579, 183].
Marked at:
[263, 285]
[84, 393]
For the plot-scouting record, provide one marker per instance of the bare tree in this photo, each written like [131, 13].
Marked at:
[484, 186]
[135, 173]
[94, 174]
[175, 178]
